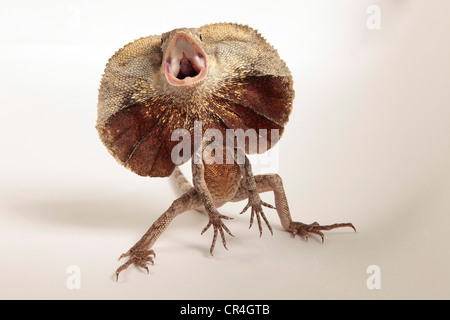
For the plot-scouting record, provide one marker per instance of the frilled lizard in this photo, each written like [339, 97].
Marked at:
[225, 76]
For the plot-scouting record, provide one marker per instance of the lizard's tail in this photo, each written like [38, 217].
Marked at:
[182, 184]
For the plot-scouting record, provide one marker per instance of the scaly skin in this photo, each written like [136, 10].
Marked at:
[226, 76]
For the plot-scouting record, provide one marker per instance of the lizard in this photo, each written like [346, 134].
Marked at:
[221, 75]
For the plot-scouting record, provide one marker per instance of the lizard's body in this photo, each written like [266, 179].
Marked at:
[224, 75]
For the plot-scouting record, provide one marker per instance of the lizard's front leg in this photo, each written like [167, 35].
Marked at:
[273, 182]
[141, 253]
[215, 218]
[254, 199]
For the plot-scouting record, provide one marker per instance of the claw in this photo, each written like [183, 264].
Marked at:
[218, 225]
[140, 258]
[256, 203]
[305, 229]
[245, 208]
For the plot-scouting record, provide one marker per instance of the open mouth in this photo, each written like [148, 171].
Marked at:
[185, 62]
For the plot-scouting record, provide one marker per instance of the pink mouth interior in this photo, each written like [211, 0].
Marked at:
[185, 62]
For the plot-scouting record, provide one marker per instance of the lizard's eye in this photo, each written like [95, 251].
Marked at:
[200, 36]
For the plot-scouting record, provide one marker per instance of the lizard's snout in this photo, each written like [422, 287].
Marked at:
[185, 62]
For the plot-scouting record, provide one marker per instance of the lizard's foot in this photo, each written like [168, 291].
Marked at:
[256, 203]
[305, 229]
[218, 225]
[138, 257]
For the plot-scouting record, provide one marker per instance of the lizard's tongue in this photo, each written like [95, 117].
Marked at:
[186, 62]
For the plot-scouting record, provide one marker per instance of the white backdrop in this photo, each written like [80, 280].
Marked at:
[368, 142]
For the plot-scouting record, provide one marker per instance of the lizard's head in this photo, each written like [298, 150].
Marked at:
[225, 75]
[184, 61]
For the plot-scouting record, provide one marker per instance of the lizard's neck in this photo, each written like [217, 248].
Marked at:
[223, 179]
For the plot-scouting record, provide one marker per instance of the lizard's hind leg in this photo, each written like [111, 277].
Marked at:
[273, 182]
[141, 253]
